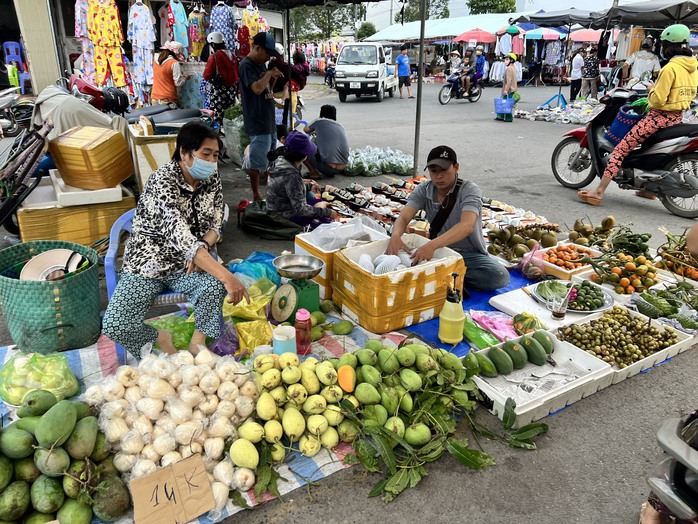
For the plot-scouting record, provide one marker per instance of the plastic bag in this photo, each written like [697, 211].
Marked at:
[235, 139]
[228, 343]
[527, 323]
[261, 293]
[257, 265]
[476, 335]
[499, 324]
[27, 372]
[252, 334]
[333, 236]
[179, 327]
[531, 265]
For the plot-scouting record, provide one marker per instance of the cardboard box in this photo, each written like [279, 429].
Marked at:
[397, 299]
[41, 218]
[92, 157]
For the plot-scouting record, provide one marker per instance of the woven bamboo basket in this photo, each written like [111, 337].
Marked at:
[53, 315]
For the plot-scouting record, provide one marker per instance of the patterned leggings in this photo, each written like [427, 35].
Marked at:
[649, 125]
[134, 295]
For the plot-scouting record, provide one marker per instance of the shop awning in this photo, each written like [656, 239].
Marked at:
[651, 13]
[563, 17]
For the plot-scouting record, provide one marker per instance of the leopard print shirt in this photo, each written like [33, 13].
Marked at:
[170, 220]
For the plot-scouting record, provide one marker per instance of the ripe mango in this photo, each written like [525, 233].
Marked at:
[279, 395]
[266, 406]
[366, 394]
[410, 380]
[36, 403]
[371, 375]
[309, 445]
[332, 394]
[348, 431]
[326, 373]
[244, 454]
[288, 359]
[329, 439]
[56, 424]
[293, 423]
[387, 358]
[82, 440]
[310, 381]
[310, 362]
[273, 431]
[367, 356]
[333, 414]
[16, 443]
[252, 431]
[263, 363]
[51, 463]
[314, 405]
[271, 378]
[296, 393]
[291, 374]
[317, 424]
[396, 425]
[353, 400]
[278, 452]
[406, 356]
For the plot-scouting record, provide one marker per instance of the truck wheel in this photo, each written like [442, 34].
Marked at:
[380, 94]
[342, 96]
[391, 92]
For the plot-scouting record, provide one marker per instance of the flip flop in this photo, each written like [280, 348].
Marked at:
[410, 97]
[643, 194]
[584, 196]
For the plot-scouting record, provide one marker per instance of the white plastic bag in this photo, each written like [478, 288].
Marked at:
[331, 237]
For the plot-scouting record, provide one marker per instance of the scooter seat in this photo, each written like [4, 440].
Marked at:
[176, 115]
[133, 116]
[671, 132]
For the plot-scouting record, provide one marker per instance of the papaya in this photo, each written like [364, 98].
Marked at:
[36, 403]
[486, 366]
[516, 352]
[501, 360]
[388, 360]
[16, 443]
[81, 442]
[56, 424]
[536, 353]
[545, 340]
[471, 365]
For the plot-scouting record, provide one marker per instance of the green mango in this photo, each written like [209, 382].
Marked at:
[348, 359]
[406, 356]
[56, 424]
[81, 442]
[343, 328]
[36, 403]
[366, 357]
[389, 399]
[36, 517]
[387, 358]
[375, 415]
[52, 463]
[6, 471]
[101, 450]
[47, 494]
[82, 409]
[26, 470]
[74, 512]
[371, 376]
[374, 345]
[366, 394]
[16, 443]
[27, 424]
[111, 499]
[14, 501]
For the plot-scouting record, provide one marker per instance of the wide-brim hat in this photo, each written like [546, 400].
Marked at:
[51, 264]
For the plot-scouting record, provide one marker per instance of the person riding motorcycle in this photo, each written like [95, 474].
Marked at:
[468, 71]
[675, 89]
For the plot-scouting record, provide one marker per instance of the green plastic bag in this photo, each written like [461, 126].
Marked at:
[27, 372]
[181, 329]
[481, 338]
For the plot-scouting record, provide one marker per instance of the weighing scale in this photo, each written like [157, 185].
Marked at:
[299, 292]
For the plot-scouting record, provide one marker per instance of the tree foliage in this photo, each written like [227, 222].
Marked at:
[365, 30]
[321, 22]
[435, 9]
[479, 7]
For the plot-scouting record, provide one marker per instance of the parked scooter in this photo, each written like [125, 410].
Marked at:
[454, 89]
[667, 161]
[15, 112]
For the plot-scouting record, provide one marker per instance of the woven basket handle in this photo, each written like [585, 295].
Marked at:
[65, 326]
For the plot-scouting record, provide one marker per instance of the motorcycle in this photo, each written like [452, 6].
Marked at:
[667, 162]
[15, 112]
[454, 89]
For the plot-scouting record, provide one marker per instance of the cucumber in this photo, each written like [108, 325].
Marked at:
[502, 361]
[536, 353]
[516, 353]
[545, 340]
[487, 367]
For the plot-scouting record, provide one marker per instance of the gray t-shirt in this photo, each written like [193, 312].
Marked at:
[469, 199]
[331, 141]
[257, 110]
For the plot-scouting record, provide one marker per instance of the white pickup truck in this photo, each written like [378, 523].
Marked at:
[363, 69]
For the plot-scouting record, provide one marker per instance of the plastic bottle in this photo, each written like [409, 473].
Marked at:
[452, 317]
[304, 329]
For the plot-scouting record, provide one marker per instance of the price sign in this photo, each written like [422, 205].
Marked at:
[173, 495]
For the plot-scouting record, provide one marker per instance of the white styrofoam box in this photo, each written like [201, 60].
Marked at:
[442, 256]
[663, 277]
[44, 196]
[684, 343]
[557, 271]
[74, 196]
[592, 374]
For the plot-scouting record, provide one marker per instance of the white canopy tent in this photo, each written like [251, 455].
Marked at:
[445, 27]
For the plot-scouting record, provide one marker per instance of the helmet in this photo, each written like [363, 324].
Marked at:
[470, 49]
[512, 56]
[479, 48]
[215, 37]
[676, 34]
[280, 49]
[647, 43]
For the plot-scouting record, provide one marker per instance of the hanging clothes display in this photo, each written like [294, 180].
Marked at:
[637, 35]
[223, 21]
[166, 20]
[141, 33]
[554, 52]
[197, 32]
[250, 19]
[87, 67]
[180, 31]
[105, 32]
[517, 45]
[503, 45]
[622, 45]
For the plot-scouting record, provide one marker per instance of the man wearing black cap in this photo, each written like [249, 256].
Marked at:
[256, 93]
[641, 62]
[453, 207]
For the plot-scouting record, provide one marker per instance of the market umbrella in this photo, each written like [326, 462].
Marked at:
[569, 17]
[586, 35]
[658, 12]
[516, 31]
[476, 35]
[543, 33]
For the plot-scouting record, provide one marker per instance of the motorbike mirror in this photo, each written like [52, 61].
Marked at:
[605, 99]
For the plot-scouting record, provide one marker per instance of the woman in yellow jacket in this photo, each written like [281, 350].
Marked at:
[675, 89]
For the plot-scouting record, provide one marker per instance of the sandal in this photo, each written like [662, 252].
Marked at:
[584, 196]
[644, 194]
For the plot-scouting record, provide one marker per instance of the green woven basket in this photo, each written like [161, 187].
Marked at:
[54, 315]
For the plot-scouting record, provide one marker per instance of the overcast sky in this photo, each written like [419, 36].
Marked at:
[379, 13]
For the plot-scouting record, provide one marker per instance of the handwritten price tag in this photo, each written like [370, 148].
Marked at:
[173, 495]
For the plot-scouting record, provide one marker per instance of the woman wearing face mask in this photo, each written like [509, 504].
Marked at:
[177, 221]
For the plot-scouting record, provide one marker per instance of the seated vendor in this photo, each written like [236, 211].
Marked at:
[287, 192]
[332, 145]
[177, 221]
[453, 207]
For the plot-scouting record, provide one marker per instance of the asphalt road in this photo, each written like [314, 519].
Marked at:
[592, 465]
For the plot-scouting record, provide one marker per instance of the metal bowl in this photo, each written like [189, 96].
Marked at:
[298, 267]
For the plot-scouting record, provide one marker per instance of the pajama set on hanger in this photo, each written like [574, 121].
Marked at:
[88, 50]
[223, 20]
[104, 30]
[181, 26]
[141, 34]
[197, 33]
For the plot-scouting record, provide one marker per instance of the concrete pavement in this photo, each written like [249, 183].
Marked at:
[591, 466]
